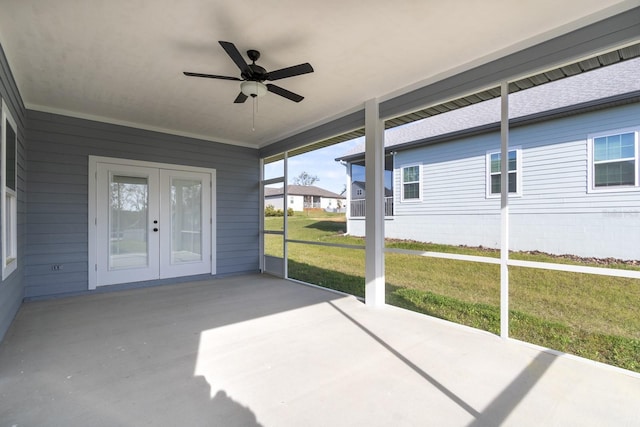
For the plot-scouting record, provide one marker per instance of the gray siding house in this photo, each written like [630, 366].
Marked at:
[574, 185]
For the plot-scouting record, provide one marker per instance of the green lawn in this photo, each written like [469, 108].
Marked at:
[587, 315]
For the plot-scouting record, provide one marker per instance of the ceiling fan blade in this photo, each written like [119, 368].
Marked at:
[236, 56]
[285, 93]
[211, 76]
[240, 98]
[296, 70]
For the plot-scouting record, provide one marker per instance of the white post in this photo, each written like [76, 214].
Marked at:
[261, 227]
[504, 210]
[285, 206]
[348, 195]
[374, 205]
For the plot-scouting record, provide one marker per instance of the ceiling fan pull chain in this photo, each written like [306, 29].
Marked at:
[253, 126]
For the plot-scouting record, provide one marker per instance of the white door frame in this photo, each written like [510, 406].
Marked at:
[93, 206]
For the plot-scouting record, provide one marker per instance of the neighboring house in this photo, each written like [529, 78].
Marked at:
[301, 197]
[574, 181]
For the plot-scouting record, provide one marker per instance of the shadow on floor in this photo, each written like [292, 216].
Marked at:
[500, 408]
[228, 412]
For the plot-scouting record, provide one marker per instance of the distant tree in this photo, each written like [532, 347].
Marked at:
[305, 179]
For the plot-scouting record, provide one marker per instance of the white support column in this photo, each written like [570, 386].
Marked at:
[285, 207]
[374, 204]
[348, 195]
[261, 227]
[504, 210]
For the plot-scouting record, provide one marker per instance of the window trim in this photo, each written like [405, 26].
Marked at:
[419, 182]
[591, 176]
[8, 209]
[489, 174]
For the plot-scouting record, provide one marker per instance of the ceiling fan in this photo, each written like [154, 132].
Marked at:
[252, 75]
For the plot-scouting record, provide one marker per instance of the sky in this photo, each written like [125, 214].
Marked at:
[321, 163]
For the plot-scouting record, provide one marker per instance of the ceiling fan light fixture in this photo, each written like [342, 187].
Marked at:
[251, 88]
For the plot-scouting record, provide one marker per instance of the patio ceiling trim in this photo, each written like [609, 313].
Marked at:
[551, 56]
[340, 126]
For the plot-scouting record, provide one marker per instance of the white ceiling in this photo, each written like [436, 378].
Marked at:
[121, 61]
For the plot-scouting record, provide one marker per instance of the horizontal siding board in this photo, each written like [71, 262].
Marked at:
[61, 248]
[150, 150]
[58, 278]
[57, 258]
[55, 188]
[48, 218]
[239, 264]
[44, 288]
[45, 228]
[78, 170]
[44, 198]
[51, 156]
[58, 201]
[57, 178]
[58, 238]
[45, 270]
[61, 208]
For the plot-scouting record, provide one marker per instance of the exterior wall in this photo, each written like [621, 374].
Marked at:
[275, 201]
[327, 203]
[357, 192]
[297, 204]
[58, 196]
[555, 214]
[12, 288]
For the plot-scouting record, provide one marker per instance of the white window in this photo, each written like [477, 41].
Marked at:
[359, 192]
[494, 175]
[9, 198]
[411, 183]
[614, 161]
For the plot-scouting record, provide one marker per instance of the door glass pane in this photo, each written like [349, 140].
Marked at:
[128, 222]
[186, 220]
[11, 156]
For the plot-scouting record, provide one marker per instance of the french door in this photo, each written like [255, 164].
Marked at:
[150, 222]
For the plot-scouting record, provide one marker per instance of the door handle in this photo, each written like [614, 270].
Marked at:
[155, 229]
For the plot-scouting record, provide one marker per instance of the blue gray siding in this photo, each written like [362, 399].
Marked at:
[58, 195]
[12, 289]
[555, 214]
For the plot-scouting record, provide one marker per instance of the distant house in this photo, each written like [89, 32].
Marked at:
[301, 197]
[574, 170]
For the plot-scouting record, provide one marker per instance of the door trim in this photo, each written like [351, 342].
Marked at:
[93, 206]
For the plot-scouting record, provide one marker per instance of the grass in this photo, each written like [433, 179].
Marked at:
[591, 316]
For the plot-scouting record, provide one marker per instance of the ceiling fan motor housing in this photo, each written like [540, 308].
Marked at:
[257, 73]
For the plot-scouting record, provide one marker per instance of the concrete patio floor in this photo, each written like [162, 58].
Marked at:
[256, 350]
